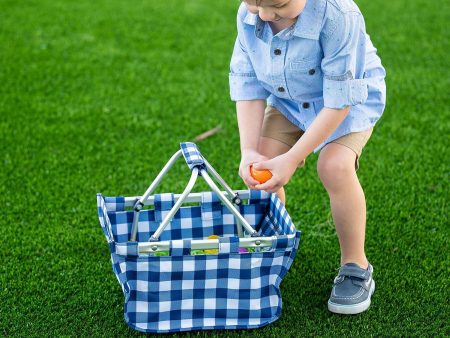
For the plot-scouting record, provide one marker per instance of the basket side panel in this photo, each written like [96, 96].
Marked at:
[169, 294]
[277, 220]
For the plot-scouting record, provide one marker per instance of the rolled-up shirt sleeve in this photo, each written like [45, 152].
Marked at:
[343, 42]
[244, 85]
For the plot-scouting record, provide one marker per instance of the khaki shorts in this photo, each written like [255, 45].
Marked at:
[278, 127]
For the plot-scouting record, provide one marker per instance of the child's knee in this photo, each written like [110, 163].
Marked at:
[335, 166]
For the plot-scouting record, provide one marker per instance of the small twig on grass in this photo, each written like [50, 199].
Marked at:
[208, 133]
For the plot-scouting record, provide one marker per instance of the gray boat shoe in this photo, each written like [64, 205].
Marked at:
[352, 290]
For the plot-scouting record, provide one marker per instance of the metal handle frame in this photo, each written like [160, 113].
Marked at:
[141, 201]
[204, 244]
[240, 220]
[192, 198]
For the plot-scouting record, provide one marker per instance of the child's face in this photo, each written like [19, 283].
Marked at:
[275, 10]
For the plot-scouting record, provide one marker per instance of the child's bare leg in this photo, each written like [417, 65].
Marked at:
[271, 148]
[336, 168]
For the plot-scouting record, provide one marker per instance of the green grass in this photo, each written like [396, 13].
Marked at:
[95, 97]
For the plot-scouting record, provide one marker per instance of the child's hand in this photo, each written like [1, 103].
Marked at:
[282, 168]
[248, 158]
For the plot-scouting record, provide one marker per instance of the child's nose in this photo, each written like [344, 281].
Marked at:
[266, 14]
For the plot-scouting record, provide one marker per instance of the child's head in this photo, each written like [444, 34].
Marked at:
[275, 10]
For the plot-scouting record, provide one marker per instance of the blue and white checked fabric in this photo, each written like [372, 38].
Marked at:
[183, 292]
[115, 203]
[192, 155]
[228, 245]
[194, 222]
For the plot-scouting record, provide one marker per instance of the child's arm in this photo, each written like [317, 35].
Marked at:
[250, 96]
[323, 126]
[284, 166]
[250, 116]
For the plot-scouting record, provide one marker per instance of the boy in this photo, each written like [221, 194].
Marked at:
[305, 77]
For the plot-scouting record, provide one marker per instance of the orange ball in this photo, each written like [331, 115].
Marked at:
[261, 176]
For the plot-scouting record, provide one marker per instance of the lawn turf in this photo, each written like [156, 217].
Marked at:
[96, 96]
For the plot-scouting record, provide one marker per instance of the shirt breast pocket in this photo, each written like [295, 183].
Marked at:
[306, 77]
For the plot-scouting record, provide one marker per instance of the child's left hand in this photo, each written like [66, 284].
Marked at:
[282, 168]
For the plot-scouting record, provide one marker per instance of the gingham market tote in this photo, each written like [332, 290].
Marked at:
[174, 278]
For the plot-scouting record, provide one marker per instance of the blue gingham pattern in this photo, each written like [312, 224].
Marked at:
[180, 248]
[192, 155]
[277, 219]
[115, 203]
[194, 222]
[183, 292]
[228, 245]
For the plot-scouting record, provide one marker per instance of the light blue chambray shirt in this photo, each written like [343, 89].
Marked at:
[325, 60]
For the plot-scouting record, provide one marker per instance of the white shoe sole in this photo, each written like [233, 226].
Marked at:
[354, 308]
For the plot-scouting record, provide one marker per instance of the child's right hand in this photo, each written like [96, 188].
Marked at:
[248, 158]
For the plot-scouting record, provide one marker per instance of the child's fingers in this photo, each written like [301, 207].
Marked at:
[250, 182]
[272, 185]
[261, 165]
[248, 178]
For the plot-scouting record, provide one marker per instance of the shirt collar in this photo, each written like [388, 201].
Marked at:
[308, 25]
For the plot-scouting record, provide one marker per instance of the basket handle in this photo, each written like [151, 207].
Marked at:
[192, 155]
[239, 218]
[194, 159]
[199, 166]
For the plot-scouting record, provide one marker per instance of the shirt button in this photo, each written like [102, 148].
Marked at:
[312, 71]
[305, 105]
[281, 89]
[277, 51]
